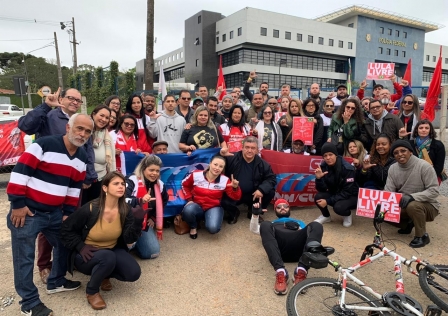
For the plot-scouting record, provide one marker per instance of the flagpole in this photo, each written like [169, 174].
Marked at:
[443, 111]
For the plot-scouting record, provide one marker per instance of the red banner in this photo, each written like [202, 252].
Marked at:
[368, 199]
[380, 71]
[11, 143]
[303, 129]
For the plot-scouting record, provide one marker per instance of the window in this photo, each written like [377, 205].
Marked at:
[217, 40]
[169, 59]
[299, 37]
[177, 56]
[263, 31]
[181, 54]
[321, 41]
[199, 19]
[397, 33]
[351, 25]
[427, 57]
[341, 44]
[389, 31]
[310, 39]
[240, 31]
[403, 54]
[396, 52]
[288, 35]
[434, 58]
[196, 42]
[330, 42]
[276, 33]
[350, 45]
[380, 50]
[446, 60]
[223, 38]
[382, 30]
[197, 62]
[231, 35]
[388, 51]
[405, 34]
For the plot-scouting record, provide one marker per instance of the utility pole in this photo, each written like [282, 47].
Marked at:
[58, 61]
[149, 62]
[75, 58]
[27, 83]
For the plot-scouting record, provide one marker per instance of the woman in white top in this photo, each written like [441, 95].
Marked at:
[268, 132]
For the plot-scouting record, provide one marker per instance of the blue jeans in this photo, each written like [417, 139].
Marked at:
[147, 245]
[193, 213]
[23, 241]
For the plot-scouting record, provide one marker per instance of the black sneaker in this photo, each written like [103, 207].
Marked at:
[67, 286]
[38, 310]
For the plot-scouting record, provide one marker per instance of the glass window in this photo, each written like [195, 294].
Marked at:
[380, 50]
[240, 31]
[263, 31]
[197, 62]
[181, 54]
[310, 39]
[434, 58]
[427, 57]
[288, 35]
[405, 34]
[321, 41]
[397, 33]
[231, 35]
[330, 42]
[199, 19]
[299, 37]
[388, 51]
[389, 31]
[403, 54]
[396, 52]
[382, 30]
[351, 25]
[446, 60]
[169, 59]
[177, 56]
[350, 45]
[223, 37]
[341, 44]
[217, 40]
[276, 33]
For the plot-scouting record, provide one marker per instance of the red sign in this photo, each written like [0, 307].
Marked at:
[303, 129]
[235, 143]
[368, 199]
[380, 71]
[11, 143]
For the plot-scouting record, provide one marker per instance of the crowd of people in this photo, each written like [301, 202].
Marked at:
[68, 192]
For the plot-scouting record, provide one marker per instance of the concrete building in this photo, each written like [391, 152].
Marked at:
[299, 51]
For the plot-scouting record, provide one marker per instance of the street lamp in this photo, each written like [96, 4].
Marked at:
[282, 61]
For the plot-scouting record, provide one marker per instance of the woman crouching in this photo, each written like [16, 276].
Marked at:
[98, 233]
[203, 190]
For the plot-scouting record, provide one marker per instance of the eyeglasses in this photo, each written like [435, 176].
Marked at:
[375, 107]
[280, 206]
[129, 124]
[399, 151]
[407, 102]
[267, 113]
[350, 108]
[272, 103]
[113, 118]
[115, 103]
[185, 99]
[329, 105]
[73, 99]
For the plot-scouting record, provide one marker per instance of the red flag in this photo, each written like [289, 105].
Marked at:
[432, 97]
[221, 81]
[408, 73]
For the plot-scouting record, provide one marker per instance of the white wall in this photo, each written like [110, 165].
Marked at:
[434, 50]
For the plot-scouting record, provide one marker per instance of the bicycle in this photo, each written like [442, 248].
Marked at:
[321, 296]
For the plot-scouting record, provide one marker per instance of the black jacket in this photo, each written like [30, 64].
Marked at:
[76, 227]
[436, 153]
[340, 187]
[391, 126]
[264, 178]
[377, 174]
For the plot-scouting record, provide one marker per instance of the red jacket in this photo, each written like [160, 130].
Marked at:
[393, 97]
[207, 194]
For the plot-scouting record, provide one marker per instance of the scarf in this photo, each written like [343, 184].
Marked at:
[412, 118]
[422, 143]
[100, 137]
[378, 123]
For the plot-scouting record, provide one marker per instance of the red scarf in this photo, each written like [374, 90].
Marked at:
[124, 145]
[141, 192]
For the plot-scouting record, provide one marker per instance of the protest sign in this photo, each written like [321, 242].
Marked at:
[368, 199]
[380, 71]
[303, 129]
[11, 143]
[235, 143]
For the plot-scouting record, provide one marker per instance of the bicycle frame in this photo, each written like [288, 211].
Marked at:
[345, 273]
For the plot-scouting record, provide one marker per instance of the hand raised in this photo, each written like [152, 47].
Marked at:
[393, 78]
[366, 164]
[53, 99]
[363, 84]
[319, 173]
[403, 132]
[225, 152]
[404, 83]
[234, 182]
[253, 74]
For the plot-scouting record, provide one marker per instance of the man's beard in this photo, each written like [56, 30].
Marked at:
[315, 96]
[150, 108]
[280, 215]
[76, 140]
[385, 101]
[263, 92]
[342, 96]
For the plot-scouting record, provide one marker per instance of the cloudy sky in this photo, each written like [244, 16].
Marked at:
[115, 29]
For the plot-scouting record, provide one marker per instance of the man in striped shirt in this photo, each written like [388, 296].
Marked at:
[43, 190]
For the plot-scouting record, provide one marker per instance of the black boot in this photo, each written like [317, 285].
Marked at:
[234, 219]
[407, 229]
[419, 242]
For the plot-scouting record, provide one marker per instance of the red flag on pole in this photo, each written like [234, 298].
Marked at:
[408, 73]
[432, 97]
[221, 81]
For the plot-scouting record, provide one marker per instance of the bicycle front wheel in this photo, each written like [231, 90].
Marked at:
[435, 285]
[320, 296]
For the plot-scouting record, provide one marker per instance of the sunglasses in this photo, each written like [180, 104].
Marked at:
[185, 99]
[129, 124]
[329, 105]
[350, 108]
[267, 113]
[280, 206]
[407, 102]
[375, 108]
[271, 103]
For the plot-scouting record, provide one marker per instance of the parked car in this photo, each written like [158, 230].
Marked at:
[10, 110]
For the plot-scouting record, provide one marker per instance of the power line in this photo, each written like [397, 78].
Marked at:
[24, 40]
[15, 19]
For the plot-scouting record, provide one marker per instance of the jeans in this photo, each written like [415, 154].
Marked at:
[193, 213]
[147, 245]
[114, 263]
[23, 241]
[342, 207]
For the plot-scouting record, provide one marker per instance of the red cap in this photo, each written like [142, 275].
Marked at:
[280, 201]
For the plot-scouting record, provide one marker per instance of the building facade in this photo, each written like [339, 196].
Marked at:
[287, 49]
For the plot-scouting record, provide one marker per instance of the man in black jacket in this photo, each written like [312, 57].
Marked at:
[256, 178]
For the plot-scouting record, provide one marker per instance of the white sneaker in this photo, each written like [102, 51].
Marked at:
[347, 221]
[322, 219]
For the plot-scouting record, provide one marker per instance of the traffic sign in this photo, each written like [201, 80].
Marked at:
[45, 90]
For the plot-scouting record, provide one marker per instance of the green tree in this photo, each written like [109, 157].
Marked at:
[113, 77]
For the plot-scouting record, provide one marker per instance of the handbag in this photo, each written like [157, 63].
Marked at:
[443, 174]
[180, 226]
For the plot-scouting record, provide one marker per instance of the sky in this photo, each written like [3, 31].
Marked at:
[116, 29]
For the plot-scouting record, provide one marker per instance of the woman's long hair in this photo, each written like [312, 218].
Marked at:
[432, 133]
[100, 202]
[358, 115]
[362, 152]
[194, 118]
[97, 109]
[289, 115]
[142, 113]
[415, 107]
[241, 123]
[145, 163]
[121, 120]
[316, 107]
[374, 155]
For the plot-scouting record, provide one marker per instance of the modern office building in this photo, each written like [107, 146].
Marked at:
[299, 51]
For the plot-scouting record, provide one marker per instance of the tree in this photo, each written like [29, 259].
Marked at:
[149, 63]
[113, 77]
